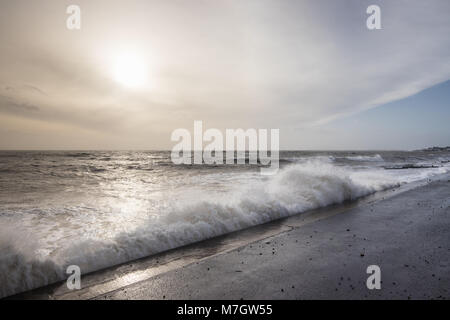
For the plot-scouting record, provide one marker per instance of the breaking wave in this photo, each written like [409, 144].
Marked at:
[295, 189]
[376, 157]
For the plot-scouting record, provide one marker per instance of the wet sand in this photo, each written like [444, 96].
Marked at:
[322, 254]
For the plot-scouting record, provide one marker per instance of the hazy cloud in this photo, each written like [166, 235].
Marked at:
[291, 65]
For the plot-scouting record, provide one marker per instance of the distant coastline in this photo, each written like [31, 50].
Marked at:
[435, 149]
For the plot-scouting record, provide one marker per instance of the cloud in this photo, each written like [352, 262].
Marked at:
[266, 64]
[6, 104]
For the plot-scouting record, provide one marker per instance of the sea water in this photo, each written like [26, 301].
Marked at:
[96, 209]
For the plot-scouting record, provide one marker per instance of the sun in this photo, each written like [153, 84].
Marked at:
[130, 70]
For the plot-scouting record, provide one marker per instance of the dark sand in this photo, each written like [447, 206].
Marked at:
[322, 254]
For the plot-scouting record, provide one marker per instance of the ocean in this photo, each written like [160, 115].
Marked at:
[96, 209]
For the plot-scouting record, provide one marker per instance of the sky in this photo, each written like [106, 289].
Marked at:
[138, 70]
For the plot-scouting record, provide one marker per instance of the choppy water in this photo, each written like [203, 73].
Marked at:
[97, 209]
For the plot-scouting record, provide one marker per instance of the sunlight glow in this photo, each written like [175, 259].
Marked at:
[130, 70]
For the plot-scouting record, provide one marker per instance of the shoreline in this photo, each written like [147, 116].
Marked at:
[109, 282]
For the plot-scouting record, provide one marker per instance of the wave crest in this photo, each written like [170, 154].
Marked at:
[376, 157]
[293, 190]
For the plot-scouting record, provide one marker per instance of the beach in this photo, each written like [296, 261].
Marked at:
[322, 254]
[224, 150]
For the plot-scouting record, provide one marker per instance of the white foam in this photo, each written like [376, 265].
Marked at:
[375, 157]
